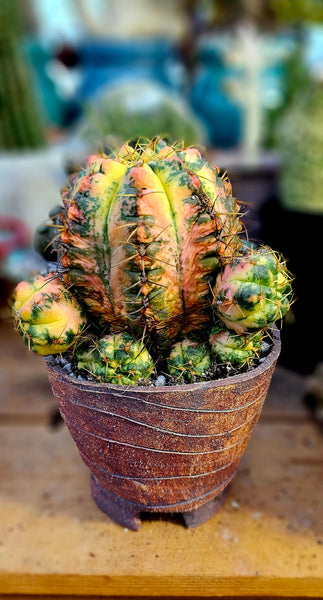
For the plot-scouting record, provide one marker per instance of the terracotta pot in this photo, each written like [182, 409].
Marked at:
[163, 449]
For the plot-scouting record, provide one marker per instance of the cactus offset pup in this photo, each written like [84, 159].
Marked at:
[150, 258]
[47, 315]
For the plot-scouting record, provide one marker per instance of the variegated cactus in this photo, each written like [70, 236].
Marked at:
[238, 350]
[253, 291]
[116, 359]
[143, 232]
[148, 245]
[46, 314]
[189, 361]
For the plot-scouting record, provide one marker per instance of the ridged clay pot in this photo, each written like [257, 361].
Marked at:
[168, 449]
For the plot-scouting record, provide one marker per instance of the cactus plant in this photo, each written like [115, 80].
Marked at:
[189, 361]
[142, 232]
[46, 314]
[116, 358]
[147, 237]
[238, 350]
[253, 291]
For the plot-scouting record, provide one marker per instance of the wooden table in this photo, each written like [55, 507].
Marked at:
[267, 541]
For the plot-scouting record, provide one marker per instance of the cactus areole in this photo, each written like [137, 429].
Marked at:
[155, 300]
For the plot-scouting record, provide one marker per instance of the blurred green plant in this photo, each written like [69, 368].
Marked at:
[20, 122]
[268, 13]
[291, 11]
[296, 79]
[301, 148]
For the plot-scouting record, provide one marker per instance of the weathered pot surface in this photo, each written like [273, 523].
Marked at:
[170, 449]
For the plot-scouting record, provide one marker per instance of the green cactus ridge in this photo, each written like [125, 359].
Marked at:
[253, 292]
[117, 359]
[189, 361]
[238, 350]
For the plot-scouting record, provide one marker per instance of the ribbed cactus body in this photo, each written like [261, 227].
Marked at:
[144, 232]
[189, 361]
[46, 315]
[238, 350]
[117, 359]
[253, 292]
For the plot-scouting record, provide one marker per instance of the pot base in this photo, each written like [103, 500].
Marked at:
[203, 513]
[128, 514]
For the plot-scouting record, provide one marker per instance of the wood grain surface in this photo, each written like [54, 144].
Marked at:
[266, 541]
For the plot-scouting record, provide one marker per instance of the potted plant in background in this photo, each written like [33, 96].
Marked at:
[161, 319]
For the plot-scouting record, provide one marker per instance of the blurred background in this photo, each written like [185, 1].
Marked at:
[243, 79]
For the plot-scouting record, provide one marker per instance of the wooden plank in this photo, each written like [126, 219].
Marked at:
[169, 587]
[267, 540]
[96, 597]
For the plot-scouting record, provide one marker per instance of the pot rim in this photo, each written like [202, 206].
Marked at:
[213, 383]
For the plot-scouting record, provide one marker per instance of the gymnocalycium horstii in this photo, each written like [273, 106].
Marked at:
[152, 274]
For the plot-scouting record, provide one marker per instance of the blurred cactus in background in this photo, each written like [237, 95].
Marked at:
[297, 10]
[20, 121]
[135, 109]
[301, 147]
